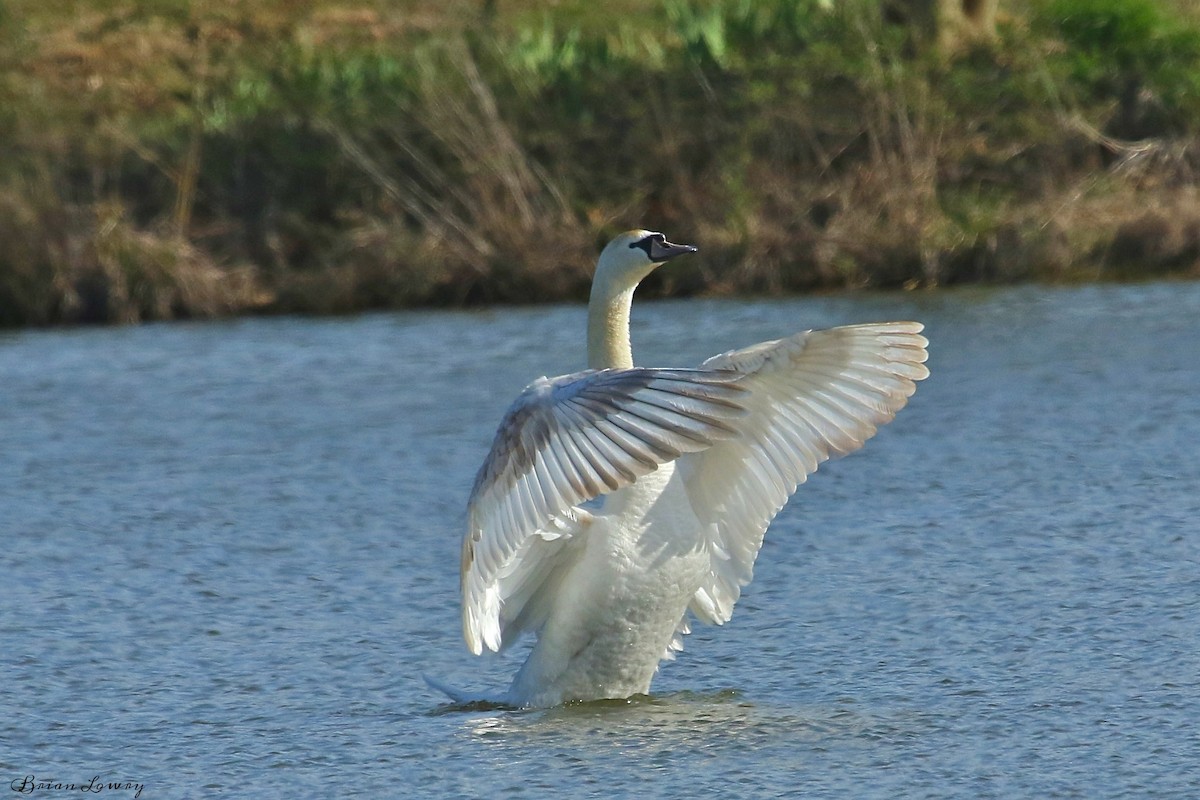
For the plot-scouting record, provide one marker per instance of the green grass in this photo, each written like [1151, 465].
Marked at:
[197, 159]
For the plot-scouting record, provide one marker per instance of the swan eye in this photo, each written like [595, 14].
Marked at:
[646, 243]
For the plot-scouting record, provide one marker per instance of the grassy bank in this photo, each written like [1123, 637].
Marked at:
[167, 159]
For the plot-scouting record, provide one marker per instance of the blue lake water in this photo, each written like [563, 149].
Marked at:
[231, 552]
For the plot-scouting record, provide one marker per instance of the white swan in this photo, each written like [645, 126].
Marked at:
[692, 465]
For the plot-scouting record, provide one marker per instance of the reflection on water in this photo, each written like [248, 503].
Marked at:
[231, 554]
[677, 719]
[709, 741]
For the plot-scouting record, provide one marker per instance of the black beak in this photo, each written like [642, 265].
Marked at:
[661, 250]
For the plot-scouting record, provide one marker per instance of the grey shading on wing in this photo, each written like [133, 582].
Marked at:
[564, 442]
[809, 397]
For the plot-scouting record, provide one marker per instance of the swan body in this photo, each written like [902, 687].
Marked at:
[690, 466]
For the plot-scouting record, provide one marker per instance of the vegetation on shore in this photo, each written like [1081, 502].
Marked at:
[167, 159]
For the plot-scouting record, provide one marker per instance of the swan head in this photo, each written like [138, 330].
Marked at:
[633, 255]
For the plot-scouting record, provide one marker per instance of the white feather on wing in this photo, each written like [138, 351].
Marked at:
[809, 397]
[562, 443]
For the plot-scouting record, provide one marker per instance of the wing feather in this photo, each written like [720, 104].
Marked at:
[811, 396]
[566, 441]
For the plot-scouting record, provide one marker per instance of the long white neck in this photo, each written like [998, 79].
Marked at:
[608, 325]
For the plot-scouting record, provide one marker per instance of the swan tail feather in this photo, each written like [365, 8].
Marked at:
[461, 698]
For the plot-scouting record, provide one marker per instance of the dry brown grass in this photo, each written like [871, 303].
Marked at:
[201, 159]
[99, 268]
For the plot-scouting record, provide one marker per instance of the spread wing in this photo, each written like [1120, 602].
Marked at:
[564, 442]
[810, 396]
